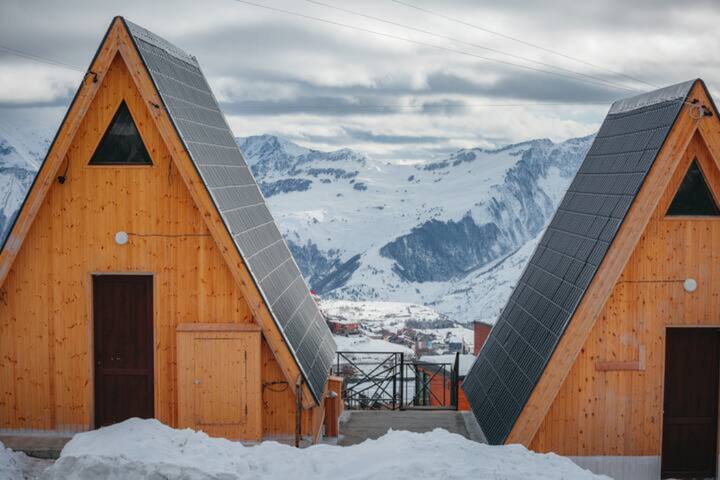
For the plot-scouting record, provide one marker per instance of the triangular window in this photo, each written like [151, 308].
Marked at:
[694, 196]
[121, 144]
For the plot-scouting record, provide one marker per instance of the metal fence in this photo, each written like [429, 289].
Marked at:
[388, 380]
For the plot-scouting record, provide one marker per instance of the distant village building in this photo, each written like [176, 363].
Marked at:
[144, 275]
[455, 344]
[608, 350]
[436, 374]
[342, 326]
[481, 330]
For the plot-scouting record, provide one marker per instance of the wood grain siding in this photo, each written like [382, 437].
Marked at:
[219, 380]
[619, 411]
[46, 307]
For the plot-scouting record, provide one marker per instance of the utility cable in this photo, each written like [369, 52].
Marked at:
[470, 44]
[421, 43]
[519, 40]
[40, 59]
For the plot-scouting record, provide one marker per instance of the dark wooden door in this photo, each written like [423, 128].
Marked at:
[123, 337]
[692, 366]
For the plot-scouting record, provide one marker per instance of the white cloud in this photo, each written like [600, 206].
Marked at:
[266, 67]
[30, 83]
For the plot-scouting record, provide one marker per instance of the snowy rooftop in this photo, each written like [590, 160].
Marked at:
[466, 361]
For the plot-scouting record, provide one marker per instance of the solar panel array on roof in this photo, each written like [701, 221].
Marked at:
[211, 145]
[567, 257]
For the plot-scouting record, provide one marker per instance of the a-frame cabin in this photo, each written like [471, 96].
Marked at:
[608, 350]
[144, 275]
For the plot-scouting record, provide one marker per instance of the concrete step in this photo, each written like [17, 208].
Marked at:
[360, 425]
[36, 445]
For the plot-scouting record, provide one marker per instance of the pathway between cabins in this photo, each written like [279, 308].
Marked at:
[360, 425]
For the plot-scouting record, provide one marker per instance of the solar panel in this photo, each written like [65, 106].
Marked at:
[202, 127]
[563, 265]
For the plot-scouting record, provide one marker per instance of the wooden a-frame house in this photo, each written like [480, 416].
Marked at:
[144, 275]
[608, 350]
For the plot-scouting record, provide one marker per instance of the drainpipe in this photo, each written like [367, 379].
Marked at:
[298, 411]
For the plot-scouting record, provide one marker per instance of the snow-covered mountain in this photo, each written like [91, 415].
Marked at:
[20, 155]
[453, 234]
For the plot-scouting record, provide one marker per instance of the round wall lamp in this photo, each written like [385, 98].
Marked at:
[121, 238]
[690, 285]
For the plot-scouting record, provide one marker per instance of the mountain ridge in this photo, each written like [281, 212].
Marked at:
[442, 233]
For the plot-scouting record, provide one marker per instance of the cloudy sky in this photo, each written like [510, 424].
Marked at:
[404, 80]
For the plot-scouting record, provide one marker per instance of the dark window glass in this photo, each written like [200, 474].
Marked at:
[121, 144]
[693, 197]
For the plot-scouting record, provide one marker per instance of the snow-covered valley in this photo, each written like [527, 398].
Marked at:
[452, 235]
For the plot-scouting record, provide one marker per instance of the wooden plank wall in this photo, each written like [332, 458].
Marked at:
[618, 411]
[45, 303]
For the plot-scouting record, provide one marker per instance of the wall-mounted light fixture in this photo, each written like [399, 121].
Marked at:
[690, 285]
[121, 238]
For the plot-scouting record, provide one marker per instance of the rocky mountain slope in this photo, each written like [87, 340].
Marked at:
[452, 234]
[20, 155]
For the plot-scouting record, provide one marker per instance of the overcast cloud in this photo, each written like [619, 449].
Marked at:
[327, 86]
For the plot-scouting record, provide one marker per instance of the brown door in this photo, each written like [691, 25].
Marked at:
[692, 358]
[123, 334]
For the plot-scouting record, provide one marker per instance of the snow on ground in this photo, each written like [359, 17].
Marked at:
[379, 314]
[376, 316]
[139, 449]
[13, 465]
[361, 343]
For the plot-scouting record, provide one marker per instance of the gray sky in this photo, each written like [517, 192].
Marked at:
[327, 86]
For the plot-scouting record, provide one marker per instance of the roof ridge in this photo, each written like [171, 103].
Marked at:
[147, 36]
[679, 91]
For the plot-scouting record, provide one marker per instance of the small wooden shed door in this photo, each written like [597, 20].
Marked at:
[123, 342]
[219, 379]
[690, 417]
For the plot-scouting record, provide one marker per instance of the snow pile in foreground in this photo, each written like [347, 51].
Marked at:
[137, 449]
[12, 464]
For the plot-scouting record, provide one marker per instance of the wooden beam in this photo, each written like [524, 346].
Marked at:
[607, 275]
[217, 327]
[623, 365]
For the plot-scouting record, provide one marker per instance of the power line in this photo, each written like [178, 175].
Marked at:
[380, 106]
[374, 106]
[424, 44]
[519, 40]
[40, 59]
[457, 40]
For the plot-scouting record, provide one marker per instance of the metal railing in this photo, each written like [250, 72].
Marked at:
[388, 380]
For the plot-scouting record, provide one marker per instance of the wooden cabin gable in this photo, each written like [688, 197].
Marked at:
[47, 309]
[119, 42]
[612, 401]
[46, 306]
[643, 205]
